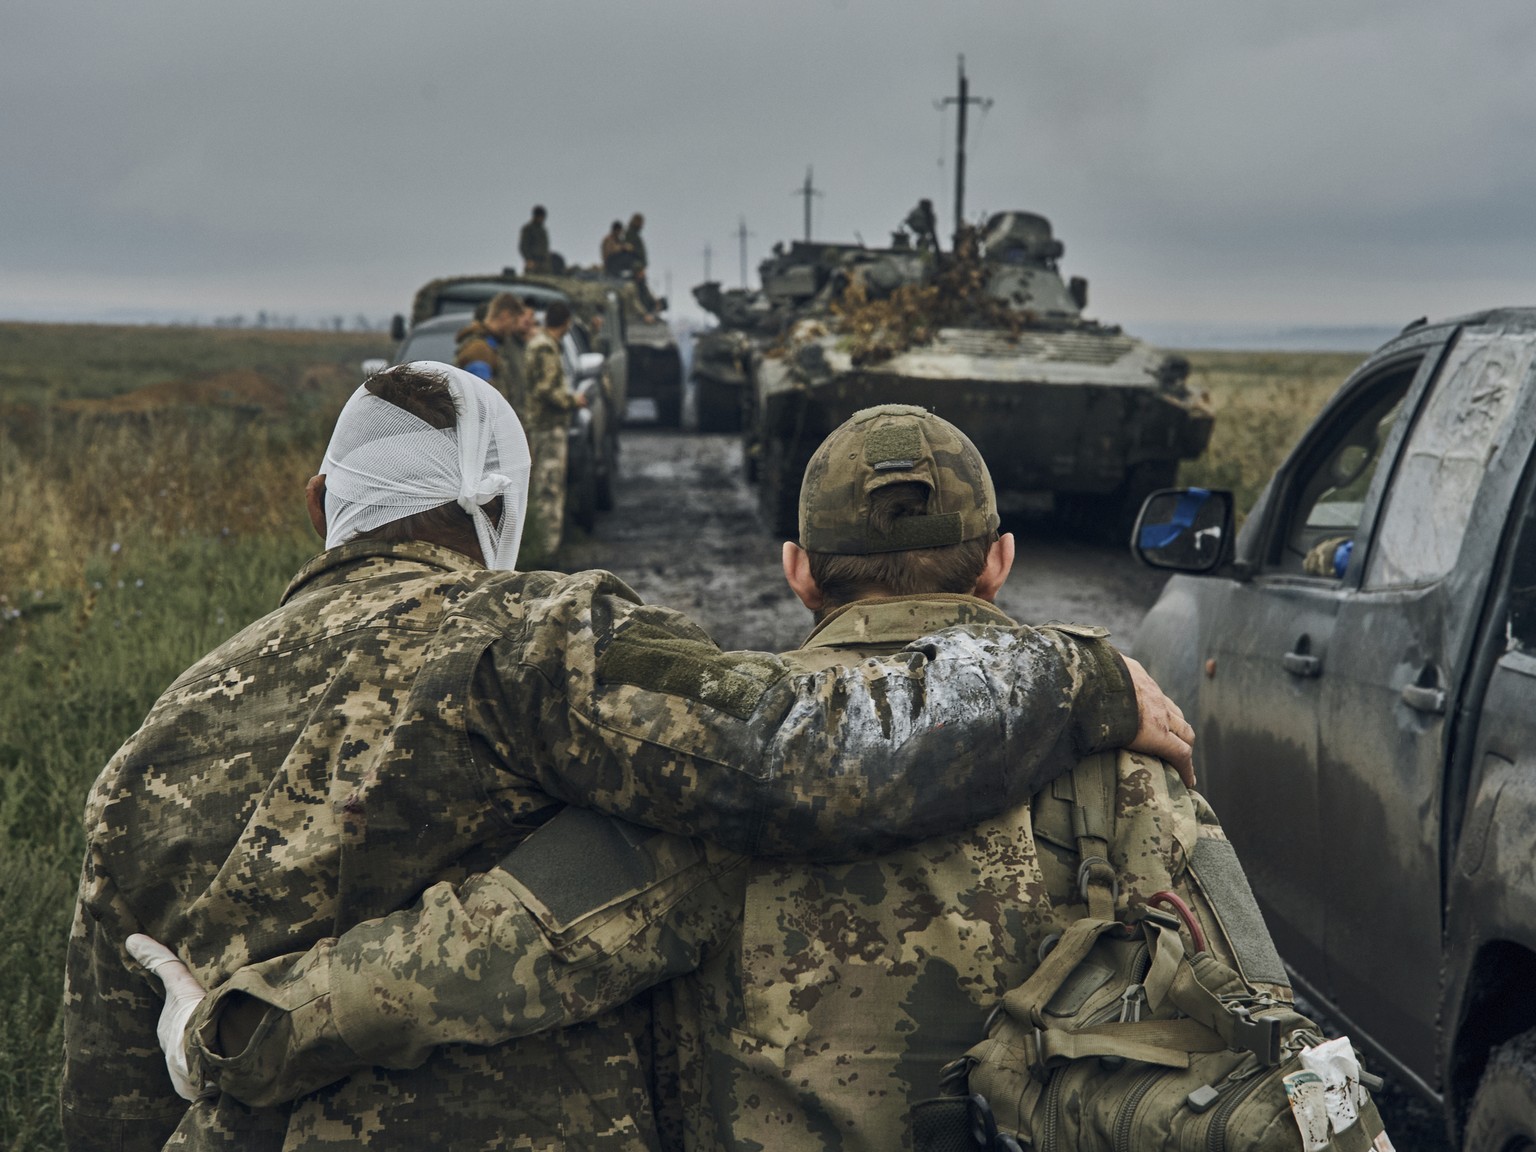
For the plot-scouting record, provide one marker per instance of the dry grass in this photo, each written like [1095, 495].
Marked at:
[1263, 401]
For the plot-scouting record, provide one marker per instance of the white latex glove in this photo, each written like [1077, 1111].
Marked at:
[182, 996]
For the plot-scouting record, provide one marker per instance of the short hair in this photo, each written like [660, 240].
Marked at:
[427, 396]
[616, 226]
[557, 314]
[538, 210]
[636, 219]
[912, 572]
[503, 302]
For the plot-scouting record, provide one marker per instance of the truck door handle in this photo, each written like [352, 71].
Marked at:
[1301, 664]
[1424, 699]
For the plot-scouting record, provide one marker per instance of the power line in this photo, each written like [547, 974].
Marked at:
[807, 190]
[741, 236]
[963, 101]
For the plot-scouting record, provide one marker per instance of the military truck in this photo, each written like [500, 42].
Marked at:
[655, 366]
[1072, 416]
[1360, 670]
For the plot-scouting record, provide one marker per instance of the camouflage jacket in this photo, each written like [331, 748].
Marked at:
[505, 357]
[548, 395]
[405, 718]
[588, 912]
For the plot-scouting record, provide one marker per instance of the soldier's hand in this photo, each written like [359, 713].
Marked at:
[182, 996]
[1164, 732]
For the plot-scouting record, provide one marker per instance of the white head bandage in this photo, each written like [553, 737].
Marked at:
[384, 464]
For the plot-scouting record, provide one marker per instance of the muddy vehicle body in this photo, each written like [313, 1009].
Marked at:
[746, 321]
[654, 366]
[598, 305]
[1360, 670]
[1072, 416]
[595, 368]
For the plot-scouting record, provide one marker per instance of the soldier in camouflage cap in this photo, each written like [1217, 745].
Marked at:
[824, 995]
[894, 444]
[404, 719]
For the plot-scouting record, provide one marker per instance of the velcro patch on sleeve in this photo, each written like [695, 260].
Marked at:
[654, 659]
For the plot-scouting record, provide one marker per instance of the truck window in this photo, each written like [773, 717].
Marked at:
[1444, 458]
[1330, 488]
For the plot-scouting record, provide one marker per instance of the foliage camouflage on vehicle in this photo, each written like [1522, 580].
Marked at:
[1066, 411]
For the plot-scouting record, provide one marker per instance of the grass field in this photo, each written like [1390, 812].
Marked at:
[151, 479]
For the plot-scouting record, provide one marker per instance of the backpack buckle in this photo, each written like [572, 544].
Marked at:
[1097, 870]
[1260, 1035]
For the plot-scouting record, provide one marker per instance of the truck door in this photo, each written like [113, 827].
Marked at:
[1269, 657]
[1400, 642]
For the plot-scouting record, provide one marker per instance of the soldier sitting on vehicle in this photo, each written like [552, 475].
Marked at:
[617, 255]
[867, 977]
[635, 244]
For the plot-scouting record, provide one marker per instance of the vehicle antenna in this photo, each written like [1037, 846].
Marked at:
[807, 190]
[707, 253]
[963, 101]
[741, 235]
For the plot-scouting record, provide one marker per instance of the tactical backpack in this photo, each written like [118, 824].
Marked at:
[1166, 1027]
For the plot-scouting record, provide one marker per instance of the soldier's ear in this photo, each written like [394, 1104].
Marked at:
[314, 500]
[797, 571]
[999, 563]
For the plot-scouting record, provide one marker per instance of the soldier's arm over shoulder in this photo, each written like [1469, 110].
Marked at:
[584, 915]
[639, 715]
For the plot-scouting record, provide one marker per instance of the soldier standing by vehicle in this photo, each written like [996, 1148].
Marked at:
[547, 416]
[492, 348]
[533, 243]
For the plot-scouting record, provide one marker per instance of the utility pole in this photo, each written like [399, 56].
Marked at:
[807, 190]
[964, 100]
[741, 236]
[706, 261]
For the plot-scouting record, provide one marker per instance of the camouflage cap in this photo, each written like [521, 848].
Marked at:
[892, 444]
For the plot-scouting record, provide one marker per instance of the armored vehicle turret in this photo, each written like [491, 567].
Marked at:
[1071, 415]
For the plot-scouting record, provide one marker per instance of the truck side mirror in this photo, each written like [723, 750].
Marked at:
[1185, 530]
[397, 327]
[1077, 287]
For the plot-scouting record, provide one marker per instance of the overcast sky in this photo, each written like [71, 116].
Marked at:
[1314, 161]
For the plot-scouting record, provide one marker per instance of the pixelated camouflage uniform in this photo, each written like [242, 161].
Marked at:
[403, 720]
[570, 928]
[546, 418]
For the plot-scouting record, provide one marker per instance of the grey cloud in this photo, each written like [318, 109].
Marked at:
[1202, 160]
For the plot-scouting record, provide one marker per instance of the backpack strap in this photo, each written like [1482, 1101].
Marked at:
[1093, 784]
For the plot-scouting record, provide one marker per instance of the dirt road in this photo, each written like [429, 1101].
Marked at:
[685, 533]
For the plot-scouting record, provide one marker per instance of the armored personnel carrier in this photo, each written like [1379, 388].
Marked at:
[722, 356]
[1072, 416]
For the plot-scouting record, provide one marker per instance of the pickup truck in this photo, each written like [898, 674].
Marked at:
[1359, 663]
